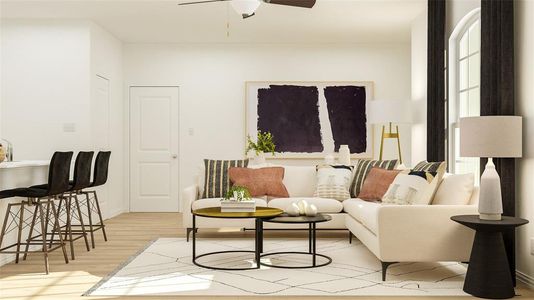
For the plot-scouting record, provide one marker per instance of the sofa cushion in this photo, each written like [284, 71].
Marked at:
[260, 182]
[455, 189]
[216, 180]
[216, 202]
[377, 183]
[300, 181]
[362, 169]
[364, 212]
[333, 181]
[324, 205]
[414, 188]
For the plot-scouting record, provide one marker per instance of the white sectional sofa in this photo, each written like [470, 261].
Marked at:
[394, 233]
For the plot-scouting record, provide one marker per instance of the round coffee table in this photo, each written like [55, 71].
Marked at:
[312, 240]
[261, 213]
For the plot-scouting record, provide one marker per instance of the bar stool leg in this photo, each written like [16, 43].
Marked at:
[43, 232]
[77, 203]
[19, 233]
[30, 233]
[4, 225]
[68, 204]
[89, 214]
[100, 216]
[58, 228]
[57, 219]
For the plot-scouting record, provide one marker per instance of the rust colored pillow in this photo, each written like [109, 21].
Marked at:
[260, 182]
[377, 183]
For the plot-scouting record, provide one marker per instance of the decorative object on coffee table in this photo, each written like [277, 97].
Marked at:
[312, 240]
[238, 199]
[388, 112]
[215, 212]
[491, 136]
[264, 144]
[488, 274]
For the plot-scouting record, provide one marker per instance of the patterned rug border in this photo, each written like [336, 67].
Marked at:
[118, 268]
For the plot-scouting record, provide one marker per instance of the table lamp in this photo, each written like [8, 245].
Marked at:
[491, 137]
[389, 112]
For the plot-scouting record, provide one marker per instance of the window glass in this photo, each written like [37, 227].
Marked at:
[474, 70]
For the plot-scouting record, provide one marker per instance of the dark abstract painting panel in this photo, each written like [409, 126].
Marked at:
[346, 111]
[291, 114]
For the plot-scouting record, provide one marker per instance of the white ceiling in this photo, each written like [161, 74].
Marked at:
[163, 21]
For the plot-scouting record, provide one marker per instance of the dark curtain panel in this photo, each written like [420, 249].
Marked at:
[436, 81]
[497, 93]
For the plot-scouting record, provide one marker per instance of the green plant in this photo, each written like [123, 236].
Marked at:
[242, 191]
[264, 143]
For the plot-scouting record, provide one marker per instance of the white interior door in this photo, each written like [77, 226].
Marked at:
[154, 149]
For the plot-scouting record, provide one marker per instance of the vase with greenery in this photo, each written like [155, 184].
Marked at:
[264, 144]
[238, 193]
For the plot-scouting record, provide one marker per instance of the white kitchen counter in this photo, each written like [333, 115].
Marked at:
[23, 164]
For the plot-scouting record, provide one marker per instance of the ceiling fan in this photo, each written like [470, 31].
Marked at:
[247, 8]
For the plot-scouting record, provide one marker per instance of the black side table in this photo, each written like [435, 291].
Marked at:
[488, 274]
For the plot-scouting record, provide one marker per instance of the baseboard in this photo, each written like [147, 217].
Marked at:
[526, 279]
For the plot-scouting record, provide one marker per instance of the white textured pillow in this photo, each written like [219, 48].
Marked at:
[333, 182]
[410, 190]
[455, 189]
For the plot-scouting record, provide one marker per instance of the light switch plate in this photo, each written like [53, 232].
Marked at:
[69, 127]
[191, 131]
[532, 246]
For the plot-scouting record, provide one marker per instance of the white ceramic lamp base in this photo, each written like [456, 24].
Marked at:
[490, 203]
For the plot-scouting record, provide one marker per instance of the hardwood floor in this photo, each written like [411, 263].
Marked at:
[127, 233]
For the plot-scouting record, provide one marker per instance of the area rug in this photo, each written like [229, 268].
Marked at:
[164, 267]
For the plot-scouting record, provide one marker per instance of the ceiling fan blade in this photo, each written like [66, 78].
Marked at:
[200, 2]
[297, 3]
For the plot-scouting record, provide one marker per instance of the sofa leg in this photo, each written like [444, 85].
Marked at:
[189, 230]
[385, 266]
[350, 237]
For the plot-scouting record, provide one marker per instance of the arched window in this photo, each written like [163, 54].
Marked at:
[464, 88]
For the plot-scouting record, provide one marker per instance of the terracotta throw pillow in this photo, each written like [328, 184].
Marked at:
[377, 183]
[260, 182]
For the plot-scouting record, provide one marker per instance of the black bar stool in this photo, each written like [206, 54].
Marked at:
[58, 183]
[100, 177]
[70, 204]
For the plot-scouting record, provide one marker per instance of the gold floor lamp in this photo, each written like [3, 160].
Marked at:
[390, 112]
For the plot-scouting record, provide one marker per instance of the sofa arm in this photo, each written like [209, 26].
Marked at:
[189, 195]
[423, 233]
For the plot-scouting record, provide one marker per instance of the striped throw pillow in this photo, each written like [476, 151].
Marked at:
[362, 169]
[333, 182]
[438, 167]
[217, 181]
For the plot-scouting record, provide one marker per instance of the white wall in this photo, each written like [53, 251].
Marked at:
[211, 79]
[419, 95]
[524, 76]
[47, 71]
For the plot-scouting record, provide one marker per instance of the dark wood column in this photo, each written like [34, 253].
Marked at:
[497, 93]
[436, 81]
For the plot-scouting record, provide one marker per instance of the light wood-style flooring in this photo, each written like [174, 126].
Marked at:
[127, 233]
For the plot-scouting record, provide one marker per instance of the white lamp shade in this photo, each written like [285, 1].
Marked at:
[245, 7]
[385, 111]
[491, 136]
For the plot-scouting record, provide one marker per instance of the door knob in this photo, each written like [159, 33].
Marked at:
[174, 156]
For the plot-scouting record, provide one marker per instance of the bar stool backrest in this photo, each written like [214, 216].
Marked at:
[58, 174]
[101, 168]
[82, 170]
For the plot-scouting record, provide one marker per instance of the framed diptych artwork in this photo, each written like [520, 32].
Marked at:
[310, 119]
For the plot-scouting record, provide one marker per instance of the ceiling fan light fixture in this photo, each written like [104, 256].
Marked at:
[245, 8]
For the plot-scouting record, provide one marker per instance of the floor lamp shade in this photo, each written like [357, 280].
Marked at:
[491, 136]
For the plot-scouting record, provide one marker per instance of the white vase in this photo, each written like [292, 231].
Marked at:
[293, 210]
[311, 210]
[344, 155]
[260, 159]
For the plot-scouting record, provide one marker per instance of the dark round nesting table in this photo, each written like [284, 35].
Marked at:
[312, 240]
[488, 274]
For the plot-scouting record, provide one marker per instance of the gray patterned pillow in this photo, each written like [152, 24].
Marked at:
[333, 181]
[217, 181]
[362, 169]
